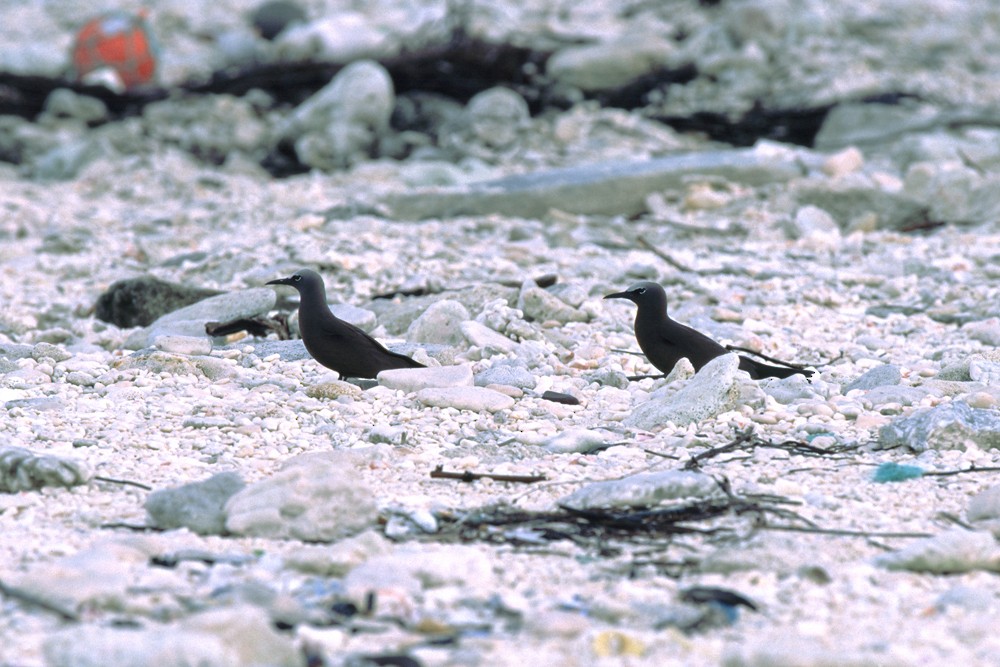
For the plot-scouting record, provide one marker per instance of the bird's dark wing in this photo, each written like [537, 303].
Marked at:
[352, 336]
[695, 343]
[357, 339]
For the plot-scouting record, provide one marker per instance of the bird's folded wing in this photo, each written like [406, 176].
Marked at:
[353, 337]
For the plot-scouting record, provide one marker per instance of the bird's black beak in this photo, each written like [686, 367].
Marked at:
[279, 281]
[619, 295]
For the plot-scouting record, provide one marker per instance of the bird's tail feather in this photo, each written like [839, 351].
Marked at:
[757, 369]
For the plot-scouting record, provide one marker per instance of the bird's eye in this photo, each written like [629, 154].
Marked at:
[641, 290]
[296, 277]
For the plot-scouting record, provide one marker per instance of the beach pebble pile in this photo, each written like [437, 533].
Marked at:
[170, 497]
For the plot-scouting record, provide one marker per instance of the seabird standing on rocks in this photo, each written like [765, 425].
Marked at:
[665, 342]
[336, 344]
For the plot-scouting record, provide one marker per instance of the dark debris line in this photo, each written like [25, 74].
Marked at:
[610, 532]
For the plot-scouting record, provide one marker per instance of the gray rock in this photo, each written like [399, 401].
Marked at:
[608, 377]
[642, 490]
[336, 560]
[272, 17]
[510, 372]
[77, 378]
[792, 649]
[880, 376]
[789, 389]
[404, 523]
[340, 124]
[957, 372]
[967, 598]
[94, 646]
[98, 577]
[950, 552]
[609, 65]
[812, 222]
[502, 318]
[607, 188]
[66, 160]
[986, 332]
[849, 204]
[191, 320]
[155, 361]
[713, 390]
[411, 570]
[24, 470]
[64, 103]
[870, 124]
[40, 404]
[441, 323]
[223, 307]
[209, 125]
[487, 340]
[396, 316]
[15, 351]
[188, 345]
[314, 498]
[54, 352]
[199, 506]
[205, 421]
[287, 350]
[985, 372]
[901, 394]
[946, 426]
[390, 435]
[334, 390]
[541, 306]
[985, 505]
[574, 293]
[339, 36]
[230, 637]
[986, 365]
[138, 302]
[415, 379]
[496, 116]
[576, 440]
[475, 399]
[215, 368]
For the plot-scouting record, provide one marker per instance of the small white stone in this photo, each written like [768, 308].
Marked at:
[189, 345]
[415, 379]
[476, 399]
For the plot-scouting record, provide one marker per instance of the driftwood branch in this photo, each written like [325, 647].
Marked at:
[469, 476]
[645, 243]
[841, 531]
[126, 482]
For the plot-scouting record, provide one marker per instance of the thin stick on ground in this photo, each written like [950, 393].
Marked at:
[645, 243]
[469, 476]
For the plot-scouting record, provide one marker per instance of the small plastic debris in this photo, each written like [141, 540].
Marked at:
[896, 472]
[614, 643]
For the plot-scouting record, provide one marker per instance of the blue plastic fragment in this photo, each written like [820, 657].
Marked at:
[896, 472]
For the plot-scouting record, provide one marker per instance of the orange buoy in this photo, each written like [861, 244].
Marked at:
[117, 41]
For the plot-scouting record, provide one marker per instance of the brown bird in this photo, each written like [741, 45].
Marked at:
[665, 342]
[331, 341]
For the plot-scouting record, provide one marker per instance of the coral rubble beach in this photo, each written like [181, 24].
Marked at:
[173, 497]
